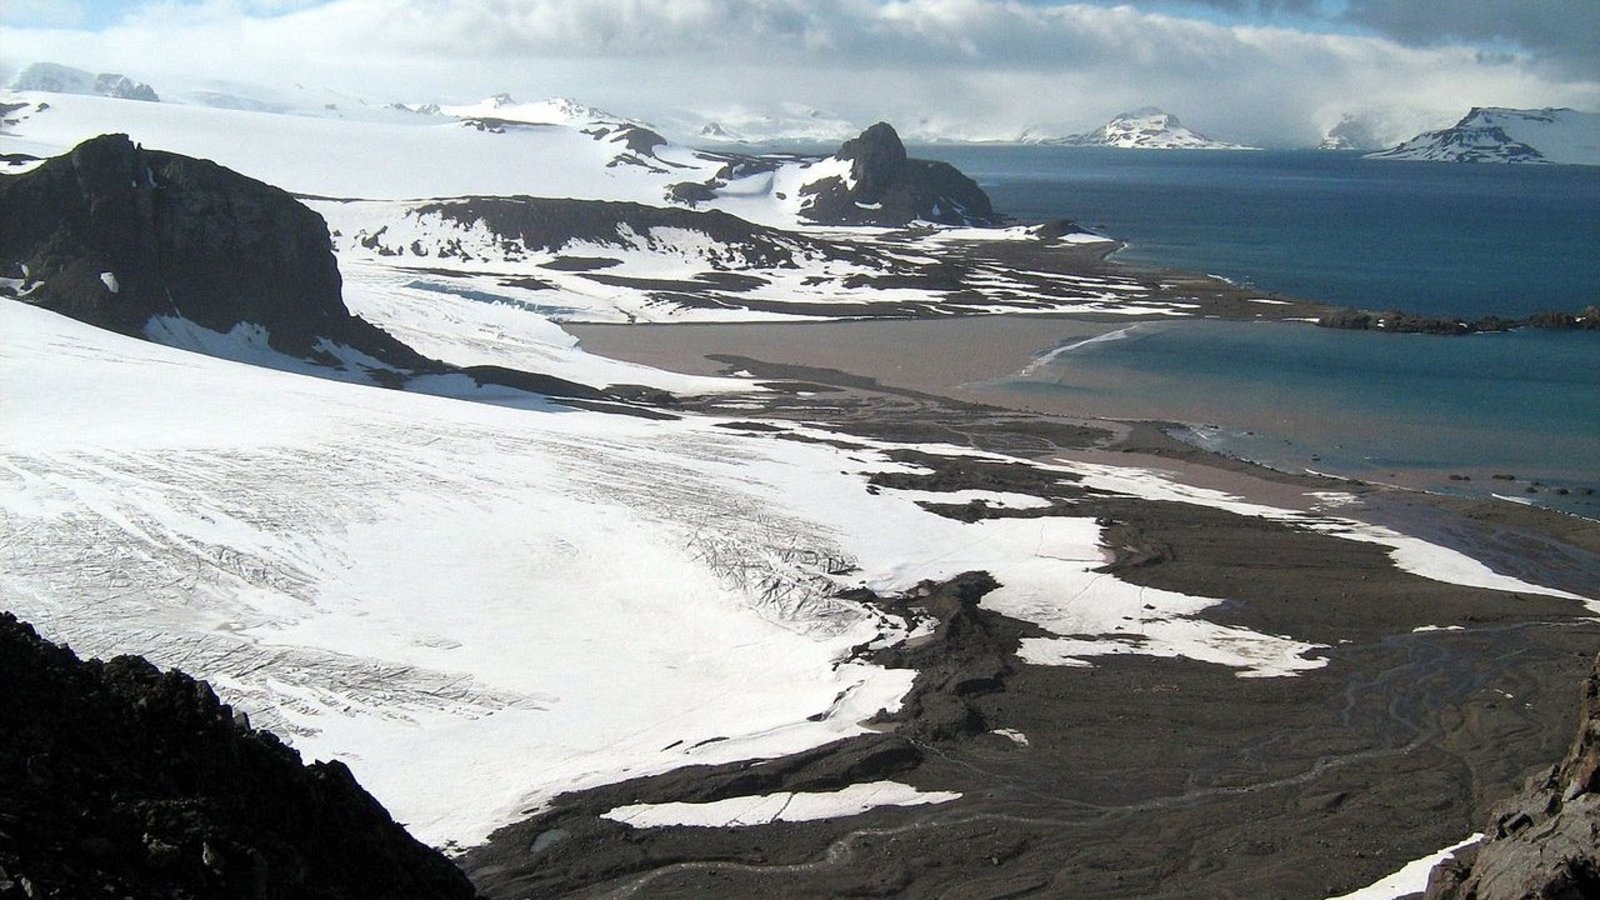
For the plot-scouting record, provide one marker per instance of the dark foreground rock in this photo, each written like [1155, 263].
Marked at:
[887, 187]
[119, 780]
[1545, 842]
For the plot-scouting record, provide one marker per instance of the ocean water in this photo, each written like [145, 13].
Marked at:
[1445, 413]
[1436, 238]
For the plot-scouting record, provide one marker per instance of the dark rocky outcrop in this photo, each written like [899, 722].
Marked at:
[532, 224]
[121, 87]
[1545, 843]
[1396, 322]
[113, 235]
[119, 780]
[886, 187]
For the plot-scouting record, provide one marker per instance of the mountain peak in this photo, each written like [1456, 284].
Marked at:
[1145, 128]
[1498, 134]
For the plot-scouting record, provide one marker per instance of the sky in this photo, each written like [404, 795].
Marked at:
[1273, 72]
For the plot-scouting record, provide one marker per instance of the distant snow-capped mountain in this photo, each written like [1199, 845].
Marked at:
[793, 123]
[1147, 128]
[58, 79]
[1492, 134]
[549, 111]
[1352, 133]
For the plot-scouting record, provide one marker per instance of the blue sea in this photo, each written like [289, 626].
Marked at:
[1435, 238]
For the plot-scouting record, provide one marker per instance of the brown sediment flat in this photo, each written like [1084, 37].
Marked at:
[942, 356]
[1140, 777]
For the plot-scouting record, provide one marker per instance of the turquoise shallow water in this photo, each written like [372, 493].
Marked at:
[1434, 238]
[1412, 408]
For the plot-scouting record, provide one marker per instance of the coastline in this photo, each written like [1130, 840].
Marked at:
[1138, 775]
[969, 359]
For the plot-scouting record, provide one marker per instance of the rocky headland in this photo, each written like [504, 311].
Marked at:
[887, 187]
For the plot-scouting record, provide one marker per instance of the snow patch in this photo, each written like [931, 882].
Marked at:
[1410, 879]
[785, 806]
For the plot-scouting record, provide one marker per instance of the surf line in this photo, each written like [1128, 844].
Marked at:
[1042, 361]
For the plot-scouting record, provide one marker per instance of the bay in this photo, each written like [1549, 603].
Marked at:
[1440, 413]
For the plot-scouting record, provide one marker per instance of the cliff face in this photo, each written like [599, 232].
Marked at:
[113, 235]
[886, 187]
[1544, 843]
[119, 780]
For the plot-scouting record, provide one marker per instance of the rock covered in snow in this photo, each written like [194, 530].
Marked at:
[886, 187]
[120, 780]
[1496, 135]
[1146, 128]
[58, 79]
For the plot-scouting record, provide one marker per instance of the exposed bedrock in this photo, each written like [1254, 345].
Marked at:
[113, 234]
[120, 780]
[887, 187]
[1545, 842]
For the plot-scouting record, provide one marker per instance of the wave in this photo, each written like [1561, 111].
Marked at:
[1056, 353]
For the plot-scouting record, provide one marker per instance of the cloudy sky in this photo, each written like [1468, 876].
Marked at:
[1258, 71]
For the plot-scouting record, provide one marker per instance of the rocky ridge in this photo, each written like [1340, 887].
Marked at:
[118, 779]
[58, 79]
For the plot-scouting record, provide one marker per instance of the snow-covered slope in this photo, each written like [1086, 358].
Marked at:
[427, 589]
[1147, 128]
[409, 155]
[1490, 134]
[404, 155]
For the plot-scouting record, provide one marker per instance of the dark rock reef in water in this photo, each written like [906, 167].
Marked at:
[113, 235]
[1395, 322]
[1545, 842]
[119, 780]
[889, 188]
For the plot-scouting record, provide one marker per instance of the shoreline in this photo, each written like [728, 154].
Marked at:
[966, 358]
[1139, 774]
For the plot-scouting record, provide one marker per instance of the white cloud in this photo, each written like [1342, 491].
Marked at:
[995, 64]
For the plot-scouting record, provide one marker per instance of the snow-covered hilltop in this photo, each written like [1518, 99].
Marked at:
[1147, 128]
[1492, 134]
[59, 79]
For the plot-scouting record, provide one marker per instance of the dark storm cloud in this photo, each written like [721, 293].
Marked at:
[1563, 33]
